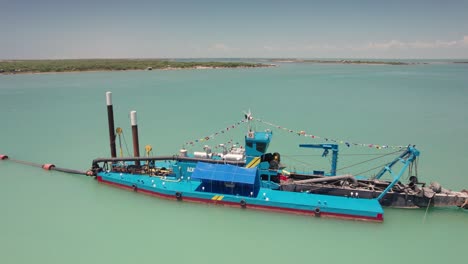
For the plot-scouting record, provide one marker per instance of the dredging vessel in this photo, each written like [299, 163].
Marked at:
[251, 177]
[234, 178]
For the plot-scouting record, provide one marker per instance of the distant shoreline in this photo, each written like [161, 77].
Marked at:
[368, 62]
[11, 67]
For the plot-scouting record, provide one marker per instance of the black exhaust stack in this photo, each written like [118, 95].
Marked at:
[110, 118]
[136, 147]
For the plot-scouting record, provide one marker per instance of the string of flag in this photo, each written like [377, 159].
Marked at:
[347, 143]
[215, 134]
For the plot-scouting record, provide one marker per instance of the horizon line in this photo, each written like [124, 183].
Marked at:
[176, 58]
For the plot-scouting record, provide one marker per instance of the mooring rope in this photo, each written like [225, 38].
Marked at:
[427, 209]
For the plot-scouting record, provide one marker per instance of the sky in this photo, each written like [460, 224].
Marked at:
[64, 29]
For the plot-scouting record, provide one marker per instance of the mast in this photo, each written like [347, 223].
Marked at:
[249, 118]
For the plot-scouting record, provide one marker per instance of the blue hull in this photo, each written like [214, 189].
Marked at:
[266, 199]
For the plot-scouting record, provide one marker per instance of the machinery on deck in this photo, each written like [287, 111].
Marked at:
[392, 193]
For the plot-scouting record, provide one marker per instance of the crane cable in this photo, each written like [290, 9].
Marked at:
[352, 165]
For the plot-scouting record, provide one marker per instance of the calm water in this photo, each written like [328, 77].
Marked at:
[51, 217]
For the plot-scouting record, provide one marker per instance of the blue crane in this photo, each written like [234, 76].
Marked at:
[326, 148]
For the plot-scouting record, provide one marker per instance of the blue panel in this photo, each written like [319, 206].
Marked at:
[224, 173]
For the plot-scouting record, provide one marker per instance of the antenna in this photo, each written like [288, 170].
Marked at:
[248, 117]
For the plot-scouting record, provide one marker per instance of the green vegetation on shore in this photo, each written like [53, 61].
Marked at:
[38, 66]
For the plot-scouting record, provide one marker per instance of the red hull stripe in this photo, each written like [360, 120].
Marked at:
[379, 217]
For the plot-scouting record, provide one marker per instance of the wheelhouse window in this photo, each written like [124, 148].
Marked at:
[261, 147]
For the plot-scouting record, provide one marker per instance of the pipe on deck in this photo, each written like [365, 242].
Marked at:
[326, 179]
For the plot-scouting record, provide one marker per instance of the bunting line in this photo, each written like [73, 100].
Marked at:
[212, 136]
[347, 143]
[298, 132]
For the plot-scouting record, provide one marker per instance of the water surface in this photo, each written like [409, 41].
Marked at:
[51, 217]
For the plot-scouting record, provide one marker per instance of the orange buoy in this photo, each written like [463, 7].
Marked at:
[48, 166]
[3, 157]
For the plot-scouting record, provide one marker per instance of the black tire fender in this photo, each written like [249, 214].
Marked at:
[317, 212]
[243, 204]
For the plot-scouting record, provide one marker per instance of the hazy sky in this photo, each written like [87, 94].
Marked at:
[49, 29]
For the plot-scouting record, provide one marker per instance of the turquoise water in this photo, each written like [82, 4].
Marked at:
[51, 217]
